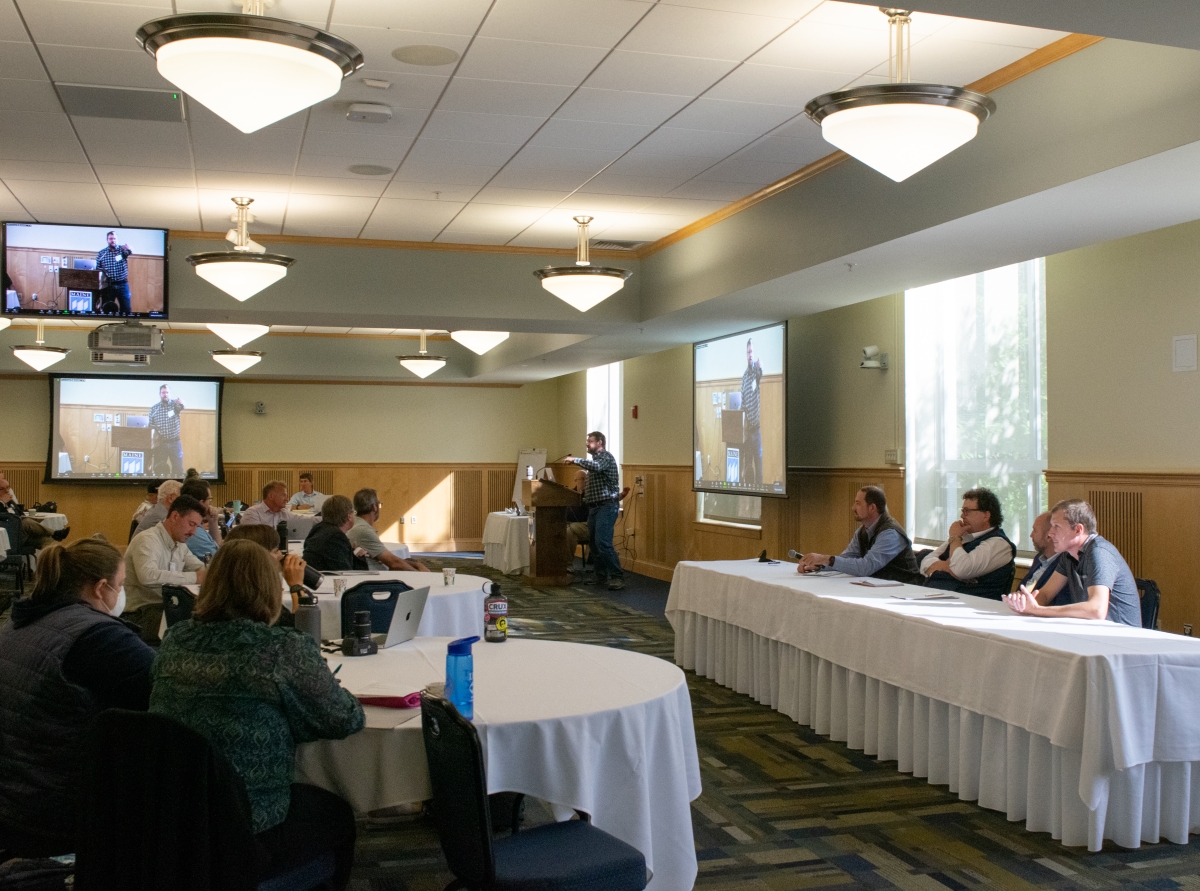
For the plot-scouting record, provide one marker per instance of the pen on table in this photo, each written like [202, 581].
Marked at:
[339, 668]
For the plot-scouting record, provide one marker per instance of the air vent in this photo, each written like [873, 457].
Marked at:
[617, 245]
[84, 101]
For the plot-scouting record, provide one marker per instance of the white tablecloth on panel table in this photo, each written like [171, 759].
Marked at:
[1087, 730]
[606, 731]
[52, 522]
[506, 542]
[451, 610]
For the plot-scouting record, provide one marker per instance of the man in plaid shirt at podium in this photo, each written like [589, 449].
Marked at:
[164, 421]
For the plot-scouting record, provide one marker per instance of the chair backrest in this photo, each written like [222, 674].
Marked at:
[1149, 596]
[161, 809]
[379, 598]
[12, 525]
[461, 814]
[178, 603]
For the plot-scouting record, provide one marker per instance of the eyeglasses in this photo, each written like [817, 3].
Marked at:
[972, 510]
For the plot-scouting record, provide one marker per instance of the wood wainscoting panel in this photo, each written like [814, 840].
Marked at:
[26, 481]
[266, 475]
[500, 488]
[1151, 518]
[467, 521]
[322, 479]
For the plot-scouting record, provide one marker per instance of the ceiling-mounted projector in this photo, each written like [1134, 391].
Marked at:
[369, 113]
[131, 343]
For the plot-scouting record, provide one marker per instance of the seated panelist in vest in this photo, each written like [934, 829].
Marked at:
[327, 548]
[977, 558]
[272, 509]
[1091, 571]
[64, 658]
[879, 549]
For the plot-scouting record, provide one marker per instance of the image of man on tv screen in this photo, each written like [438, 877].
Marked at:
[752, 445]
[113, 260]
[167, 448]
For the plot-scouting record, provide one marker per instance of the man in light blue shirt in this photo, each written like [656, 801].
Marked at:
[306, 496]
[879, 549]
[207, 538]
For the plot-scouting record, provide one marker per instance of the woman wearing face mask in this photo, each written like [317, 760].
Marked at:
[64, 657]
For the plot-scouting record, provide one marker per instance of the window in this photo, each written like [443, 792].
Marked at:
[604, 405]
[975, 398]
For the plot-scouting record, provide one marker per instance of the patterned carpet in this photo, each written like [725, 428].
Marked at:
[784, 808]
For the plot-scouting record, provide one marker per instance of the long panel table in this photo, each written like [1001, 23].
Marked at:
[1087, 730]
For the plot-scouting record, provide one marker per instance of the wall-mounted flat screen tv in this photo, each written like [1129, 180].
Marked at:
[84, 271]
[105, 428]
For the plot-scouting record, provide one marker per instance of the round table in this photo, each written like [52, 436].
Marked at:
[605, 731]
[296, 546]
[506, 542]
[52, 522]
[451, 610]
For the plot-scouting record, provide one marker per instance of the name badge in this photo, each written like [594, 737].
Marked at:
[754, 385]
[171, 413]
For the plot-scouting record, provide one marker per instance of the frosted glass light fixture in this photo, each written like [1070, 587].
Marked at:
[899, 128]
[236, 361]
[248, 268]
[479, 342]
[39, 357]
[4, 322]
[237, 336]
[422, 364]
[582, 285]
[250, 69]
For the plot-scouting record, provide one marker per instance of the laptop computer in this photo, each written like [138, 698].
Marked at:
[410, 606]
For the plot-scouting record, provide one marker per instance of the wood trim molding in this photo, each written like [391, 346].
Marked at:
[1039, 58]
[1125, 478]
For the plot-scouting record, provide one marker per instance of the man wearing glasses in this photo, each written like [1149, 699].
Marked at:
[977, 558]
[365, 539]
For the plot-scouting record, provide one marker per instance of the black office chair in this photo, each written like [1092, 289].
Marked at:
[378, 597]
[16, 562]
[569, 856]
[1149, 596]
[161, 808]
[178, 603]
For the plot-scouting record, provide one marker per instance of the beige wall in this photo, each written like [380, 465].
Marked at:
[660, 385]
[24, 419]
[1111, 311]
[572, 415]
[840, 415]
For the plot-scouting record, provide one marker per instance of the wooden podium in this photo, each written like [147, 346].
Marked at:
[548, 554]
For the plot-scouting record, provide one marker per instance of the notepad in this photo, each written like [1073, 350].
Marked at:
[877, 583]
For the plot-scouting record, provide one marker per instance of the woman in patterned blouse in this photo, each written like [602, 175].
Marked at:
[254, 691]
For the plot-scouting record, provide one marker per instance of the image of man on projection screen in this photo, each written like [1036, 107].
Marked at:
[167, 449]
[752, 452]
[113, 259]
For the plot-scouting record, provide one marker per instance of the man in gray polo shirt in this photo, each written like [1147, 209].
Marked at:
[363, 535]
[1099, 581]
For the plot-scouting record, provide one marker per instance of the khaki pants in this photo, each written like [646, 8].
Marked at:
[577, 534]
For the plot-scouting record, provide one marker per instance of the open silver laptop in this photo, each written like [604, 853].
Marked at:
[410, 606]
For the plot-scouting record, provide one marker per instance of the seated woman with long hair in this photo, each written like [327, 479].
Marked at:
[255, 690]
[291, 565]
[64, 658]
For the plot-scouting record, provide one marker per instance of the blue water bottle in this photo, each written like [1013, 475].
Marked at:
[460, 676]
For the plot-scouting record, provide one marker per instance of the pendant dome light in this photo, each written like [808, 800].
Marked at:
[423, 364]
[40, 357]
[582, 285]
[479, 342]
[899, 128]
[249, 69]
[4, 323]
[237, 336]
[248, 268]
[236, 361]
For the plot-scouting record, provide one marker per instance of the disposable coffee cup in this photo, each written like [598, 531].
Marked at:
[448, 575]
[339, 587]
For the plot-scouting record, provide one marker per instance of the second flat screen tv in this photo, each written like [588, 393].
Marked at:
[84, 271]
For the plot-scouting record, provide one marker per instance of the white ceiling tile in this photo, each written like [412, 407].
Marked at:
[445, 16]
[733, 117]
[110, 67]
[597, 205]
[267, 151]
[581, 161]
[998, 32]
[406, 213]
[28, 95]
[72, 23]
[551, 236]
[16, 146]
[787, 9]
[821, 47]
[692, 208]
[945, 60]
[800, 128]
[477, 217]
[58, 202]
[653, 73]
[378, 44]
[361, 144]
[437, 171]
[35, 125]
[362, 186]
[589, 134]
[646, 186]
[532, 178]
[869, 18]
[796, 152]
[455, 151]
[330, 117]
[18, 59]
[321, 228]
[315, 213]
[578, 22]
[311, 12]
[415, 87]
[10, 22]
[216, 210]
[481, 127]
[694, 143]
[10, 207]
[525, 61]
[339, 165]
[431, 191]
[621, 106]
[155, 206]
[171, 177]
[632, 230]
[715, 191]
[643, 163]
[502, 97]
[47, 171]
[774, 85]
[705, 33]
[521, 197]
[754, 172]
[122, 142]
[240, 183]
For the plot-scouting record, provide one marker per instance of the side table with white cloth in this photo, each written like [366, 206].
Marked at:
[52, 522]
[1087, 730]
[605, 731]
[506, 542]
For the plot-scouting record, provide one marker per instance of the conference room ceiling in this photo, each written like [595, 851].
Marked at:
[645, 115]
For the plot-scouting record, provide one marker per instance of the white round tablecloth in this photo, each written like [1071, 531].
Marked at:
[451, 610]
[53, 522]
[605, 731]
[506, 542]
